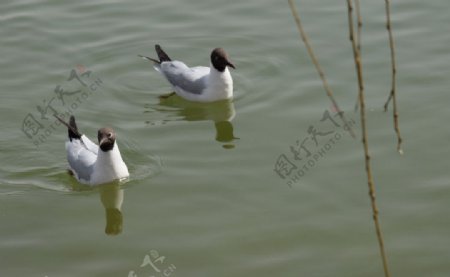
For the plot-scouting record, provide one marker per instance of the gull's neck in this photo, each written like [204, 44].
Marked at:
[109, 166]
[220, 84]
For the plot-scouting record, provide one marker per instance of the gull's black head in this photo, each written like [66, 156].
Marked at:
[219, 59]
[106, 139]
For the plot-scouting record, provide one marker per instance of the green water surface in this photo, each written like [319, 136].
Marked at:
[203, 198]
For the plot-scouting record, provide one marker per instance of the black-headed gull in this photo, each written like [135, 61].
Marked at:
[89, 163]
[200, 83]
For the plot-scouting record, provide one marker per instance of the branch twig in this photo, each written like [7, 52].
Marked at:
[358, 37]
[357, 58]
[326, 86]
[359, 20]
[392, 94]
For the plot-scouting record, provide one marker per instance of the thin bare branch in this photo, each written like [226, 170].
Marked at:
[392, 94]
[386, 104]
[358, 37]
[359, 20]
[321, 73]
[371, 185]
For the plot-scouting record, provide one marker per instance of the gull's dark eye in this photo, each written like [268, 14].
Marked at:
[109, 135]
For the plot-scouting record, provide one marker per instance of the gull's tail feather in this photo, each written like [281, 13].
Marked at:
[149, 59]
[72, 128]
[73, 131]
[163, 57]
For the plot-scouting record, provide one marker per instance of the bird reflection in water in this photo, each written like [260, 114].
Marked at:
[111, 196]
[220, 112]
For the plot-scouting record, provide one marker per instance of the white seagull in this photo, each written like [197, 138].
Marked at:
[89, 163]
[200, 83]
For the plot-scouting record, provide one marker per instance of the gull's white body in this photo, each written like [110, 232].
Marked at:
[92, 166]
[199, 84]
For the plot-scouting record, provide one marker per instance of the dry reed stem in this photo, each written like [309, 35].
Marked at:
[392, 94]
[326, 86]
[371, 185]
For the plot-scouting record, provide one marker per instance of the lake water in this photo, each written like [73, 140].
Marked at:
[203, 198]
